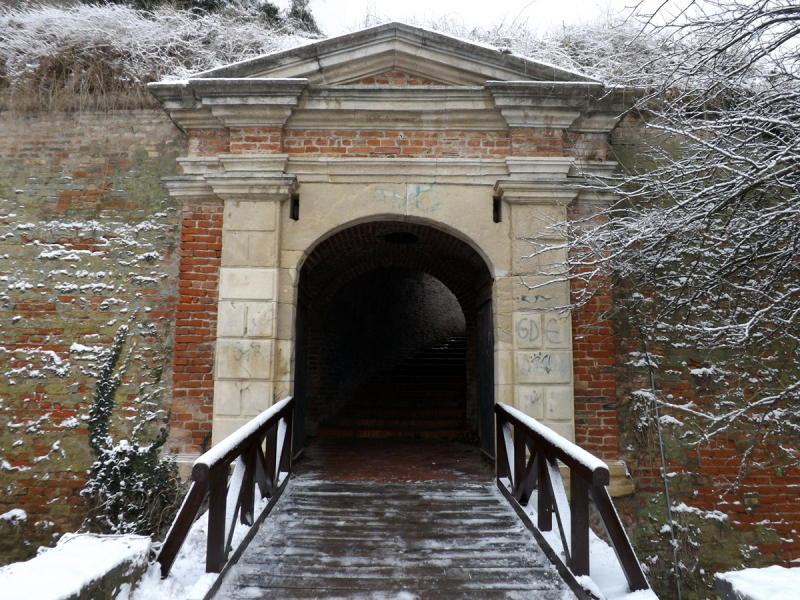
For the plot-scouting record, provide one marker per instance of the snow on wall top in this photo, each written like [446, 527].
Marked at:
[74, 563]
[769, 583]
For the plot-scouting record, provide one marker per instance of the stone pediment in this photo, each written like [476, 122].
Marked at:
[418, 54]
[392, 76]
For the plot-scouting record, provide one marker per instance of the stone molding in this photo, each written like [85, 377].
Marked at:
[532, 191]
[539, 167]
[416, 50]
[397, 170]
[224, 103]
[429, 108]
[545, 105]
[238, 177]
[191, 188]
[252, 188]
[581, 107]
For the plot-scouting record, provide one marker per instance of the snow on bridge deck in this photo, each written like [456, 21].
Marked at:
[399, 520]
[358, 539]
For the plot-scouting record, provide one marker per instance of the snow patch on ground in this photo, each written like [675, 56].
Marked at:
[606, 579]
[769, 583]
[188, 579]
[76, 561]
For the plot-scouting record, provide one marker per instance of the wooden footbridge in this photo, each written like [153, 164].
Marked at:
[402, 519]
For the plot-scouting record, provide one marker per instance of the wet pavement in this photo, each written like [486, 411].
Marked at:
[393, 460]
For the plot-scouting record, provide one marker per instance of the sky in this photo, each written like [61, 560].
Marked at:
[336, 17]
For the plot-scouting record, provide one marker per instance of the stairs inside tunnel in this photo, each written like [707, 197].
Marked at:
[423, 396]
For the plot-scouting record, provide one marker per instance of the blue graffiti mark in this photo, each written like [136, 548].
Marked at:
[397, 201]
[423, 203]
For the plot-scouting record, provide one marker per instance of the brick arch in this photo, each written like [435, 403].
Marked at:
[361, 248]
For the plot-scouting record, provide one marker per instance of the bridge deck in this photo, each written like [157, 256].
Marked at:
[446, 533]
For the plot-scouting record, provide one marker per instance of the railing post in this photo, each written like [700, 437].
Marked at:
[247, 506]
[271, 456]
[217, 497]
[501, 460]
[619, 539]
[210, 479]
[286, 452]
[545, 507]
[519, 460]
[588, 474]
[579, 526]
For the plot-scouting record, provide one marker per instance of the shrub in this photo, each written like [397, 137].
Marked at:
[131, 487]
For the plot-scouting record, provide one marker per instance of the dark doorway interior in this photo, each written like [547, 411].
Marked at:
[388, 342]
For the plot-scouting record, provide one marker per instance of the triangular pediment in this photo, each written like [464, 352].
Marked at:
[417, 53]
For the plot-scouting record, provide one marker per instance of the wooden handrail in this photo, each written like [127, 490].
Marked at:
[256, 463]
[527, 457]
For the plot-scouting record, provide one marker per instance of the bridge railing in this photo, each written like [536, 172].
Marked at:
[262, 452]
[527, 460]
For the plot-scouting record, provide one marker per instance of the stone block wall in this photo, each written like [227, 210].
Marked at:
[88, 242]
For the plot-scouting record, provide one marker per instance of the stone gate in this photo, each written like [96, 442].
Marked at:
[390, 148]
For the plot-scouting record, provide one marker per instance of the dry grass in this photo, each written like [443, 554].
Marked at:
[87, 57]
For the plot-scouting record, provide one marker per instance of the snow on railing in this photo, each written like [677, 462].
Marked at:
[527, 459]
[256, 463]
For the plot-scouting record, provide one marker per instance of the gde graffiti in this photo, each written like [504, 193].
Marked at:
[529, 331]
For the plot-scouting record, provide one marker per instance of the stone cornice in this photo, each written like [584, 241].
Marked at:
[537, 180]
[542, 104]
[397, 170]
[252, 188]
[519, 191]
[203, 103]
[189, 188]
[273, 164]
[233, 177]
[539, 167]
[217, 103]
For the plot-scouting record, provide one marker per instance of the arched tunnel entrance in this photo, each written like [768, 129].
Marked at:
[394, 336]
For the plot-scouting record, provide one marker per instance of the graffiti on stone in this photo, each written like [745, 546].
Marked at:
[557, 331]
[528, 330]
[530, 400]
[544, 367]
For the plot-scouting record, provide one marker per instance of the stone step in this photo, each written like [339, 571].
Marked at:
[395, 432]
[409, 421]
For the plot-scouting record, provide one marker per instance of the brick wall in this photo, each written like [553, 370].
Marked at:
[255, 140]
[593, 353]
[196, 327]
[734, 517]
[88, 238]
[208, 142]
[410, 144]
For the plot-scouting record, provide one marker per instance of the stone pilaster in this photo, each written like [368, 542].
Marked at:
[537, 192]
